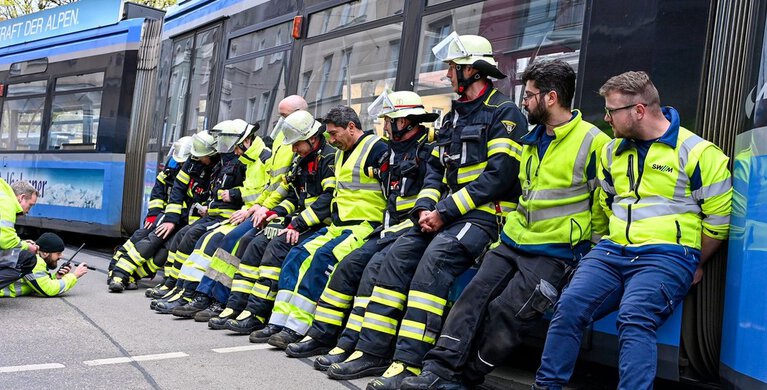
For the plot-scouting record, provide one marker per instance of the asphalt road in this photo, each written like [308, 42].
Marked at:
[90, 338]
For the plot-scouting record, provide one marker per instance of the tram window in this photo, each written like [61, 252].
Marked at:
[204, 65]
[21, 124]
[251, 91]
[179, 78]
[262, 39]
[75, 112]
[352, 13]
[74, 121]
[355, 69]
[25, 68]
[83, 81]
[25, 89]
[545, 29]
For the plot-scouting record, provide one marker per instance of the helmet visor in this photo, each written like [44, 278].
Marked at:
[226, 142]
[381, 106]
[450, 48]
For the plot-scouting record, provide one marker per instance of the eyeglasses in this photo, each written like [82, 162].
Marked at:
[609, 111]
[529, 95]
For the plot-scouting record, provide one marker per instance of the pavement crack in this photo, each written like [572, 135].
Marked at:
[150, 380]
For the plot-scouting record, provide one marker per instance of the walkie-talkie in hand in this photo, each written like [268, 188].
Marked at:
[69, 263]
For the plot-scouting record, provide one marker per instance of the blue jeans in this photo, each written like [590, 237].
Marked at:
[644, 287]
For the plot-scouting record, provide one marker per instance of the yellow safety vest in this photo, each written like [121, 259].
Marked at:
[554, 212]
[664, 205]
[358, 196]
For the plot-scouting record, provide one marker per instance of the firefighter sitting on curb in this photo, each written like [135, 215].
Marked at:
[351, 284]
[158, 199]
[476, 159]
[309, 186]
[357, 209]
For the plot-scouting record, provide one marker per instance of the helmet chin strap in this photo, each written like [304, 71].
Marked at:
[464, 83]
[396, 132]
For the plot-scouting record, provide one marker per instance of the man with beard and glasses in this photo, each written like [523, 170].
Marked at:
[551, 229]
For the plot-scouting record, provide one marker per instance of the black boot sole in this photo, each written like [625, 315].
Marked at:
[324, 367]
[306, 354]
[371, 371]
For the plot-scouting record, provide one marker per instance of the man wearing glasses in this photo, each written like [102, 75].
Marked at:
[667, 194]
[551, 229]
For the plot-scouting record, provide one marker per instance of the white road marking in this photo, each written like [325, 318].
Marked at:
[141, 358]
[242, 348]
[31, 367]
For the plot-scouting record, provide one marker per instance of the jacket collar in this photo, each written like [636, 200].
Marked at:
[534, 136]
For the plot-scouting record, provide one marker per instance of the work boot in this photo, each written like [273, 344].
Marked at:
[168, 295]
[245, 323]
[117, 285]
[159, 292]
[393, 377]
[262, 335]
[336, 355]
[109, 277]
[199, 303]
[285, 337]
[212, 311]
[358, 365]
[429, 380]
[131, 285]
[307, 347]
[218, 322]
[166, 307]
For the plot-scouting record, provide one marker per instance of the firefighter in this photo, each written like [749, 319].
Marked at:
[668, 195]
[309, 184]
[553, 227]
[158, 199]
[189, 187]
[216, 257]
[228, 174]
[252, 154]
[410, 144]
[476, 160]
[357, 209]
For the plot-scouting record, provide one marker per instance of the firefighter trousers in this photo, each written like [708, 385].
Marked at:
[348, 292]
[306, 271]
[502, 303]
[216, 282]
[259, 300]
[427, 265]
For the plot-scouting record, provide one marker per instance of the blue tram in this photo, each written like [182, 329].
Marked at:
[226, 59]
[75, 83]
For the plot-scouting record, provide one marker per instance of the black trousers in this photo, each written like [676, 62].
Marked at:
[337, 298]
[412, 288]
[500, 305]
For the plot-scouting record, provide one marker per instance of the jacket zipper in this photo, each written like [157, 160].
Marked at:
[635, 188]
[530, 183]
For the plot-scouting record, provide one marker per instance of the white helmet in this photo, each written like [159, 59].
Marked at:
[181, 149]
[298, 126]
[203, 144]
[228, 133]
[401, 104]
[471, 50]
